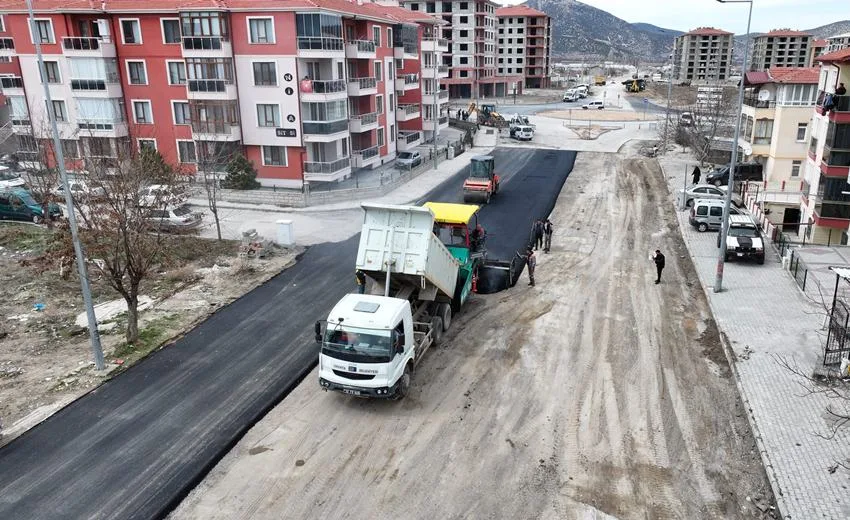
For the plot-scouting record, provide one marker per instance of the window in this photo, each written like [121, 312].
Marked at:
[176, 73]
[801, 131]
[142, 112]
[131, 32]
[389, 37]
[70, 149]
[147, 144]
[137, 73]
[392, 133]
[274, 155]
[380, 137]
[265, 74]
[392, 102]
[171, 30]
[260, 30]
[59, 110]
[2, 24]
[186, 152]
[43, 31]
[376, 35]
[181, 112]
[51, 68]
[795, 168]
[268, 115]
[715, 211]
[379, 104]
[390, 71]
[378, 70]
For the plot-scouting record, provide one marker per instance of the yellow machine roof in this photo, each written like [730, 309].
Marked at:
[452, 213]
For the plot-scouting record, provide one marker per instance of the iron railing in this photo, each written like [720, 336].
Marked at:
[364, 45]
[83, 43]
[327, 167]
[366, 119]
[365, 82]
[325, 127]
[310, 43]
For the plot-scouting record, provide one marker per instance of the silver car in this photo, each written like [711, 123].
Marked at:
[708, 191]
[174, 219]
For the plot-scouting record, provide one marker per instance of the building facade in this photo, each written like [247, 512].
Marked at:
[524, 45]
[817, 48]
[775, 119]
[469, 64]
[703, 55]
[308, 90]
[837, 42]
[780, 48]
[825, 203]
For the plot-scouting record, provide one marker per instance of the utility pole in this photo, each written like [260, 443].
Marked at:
[436, 109]
[669, 95]
[94, 336]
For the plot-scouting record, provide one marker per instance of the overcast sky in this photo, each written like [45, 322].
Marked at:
[685, 15]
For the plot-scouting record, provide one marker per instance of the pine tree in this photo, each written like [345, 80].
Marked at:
[155, 167]
[241, 174]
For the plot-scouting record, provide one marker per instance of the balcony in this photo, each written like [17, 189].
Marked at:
[362, 86]
[407, 141]
[407, 82]
[441, 97]
[108, 87]
[364, 158]
[318, 91]
[430, 125]
[837, 108]
[103, 127]
[10, 85]
[324, 131]
[216, 131]
[835, 162]
[320, 47]
[327, 171]
[206, 47]
[431, 71]
[222, 89]
[363, 122]
[408, 112]
[836, 210]
[360, 49]
[7, 47]
[407, 52]
[435, 45]
[755, 102]
[89, 47]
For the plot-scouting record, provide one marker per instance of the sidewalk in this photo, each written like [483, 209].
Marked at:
[767, 320]
[330, 222]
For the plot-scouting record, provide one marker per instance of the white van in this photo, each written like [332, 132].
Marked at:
[708, 213]
[571, 95]
[582, 90]
[522, 132]
[598, 104]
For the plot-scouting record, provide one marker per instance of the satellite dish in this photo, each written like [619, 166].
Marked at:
[764, 95]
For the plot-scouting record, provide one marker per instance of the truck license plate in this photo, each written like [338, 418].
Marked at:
[351, 392]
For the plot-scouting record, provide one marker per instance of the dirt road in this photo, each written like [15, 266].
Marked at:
[595, 393]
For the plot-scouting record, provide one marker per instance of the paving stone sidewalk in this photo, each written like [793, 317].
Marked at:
[767, 319]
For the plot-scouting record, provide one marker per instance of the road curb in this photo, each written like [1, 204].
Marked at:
[731, 360]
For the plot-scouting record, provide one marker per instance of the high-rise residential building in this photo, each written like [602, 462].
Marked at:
[816, 48]
[524, 42]
[825, 204]
[838, 42]
[308, 91]
[703, 55]
[470, 62]
[780, 48]
[775, 118]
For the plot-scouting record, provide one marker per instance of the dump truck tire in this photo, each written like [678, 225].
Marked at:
[444, 311]
[437, 331]
[404, 384]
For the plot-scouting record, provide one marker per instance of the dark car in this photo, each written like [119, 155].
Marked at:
[743, 172]
[18, 204]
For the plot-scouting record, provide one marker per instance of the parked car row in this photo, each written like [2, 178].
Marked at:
[743, 240]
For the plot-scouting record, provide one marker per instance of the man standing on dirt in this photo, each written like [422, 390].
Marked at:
[537, 234]
[547, 235]
[697, 174]
[360, 277]
[531, 261]
[659, 264]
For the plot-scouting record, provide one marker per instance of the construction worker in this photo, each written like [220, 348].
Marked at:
[531, 261]
[547, 235]
[478, 237]
[360, 277]
[537, 234]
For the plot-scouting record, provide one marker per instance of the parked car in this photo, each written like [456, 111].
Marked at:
[686, 119]
[708, 191]
[571, 96]
[18, 204]
[708, 214]
[11, 179]
[175, 219]
[598, 104]
[522, 132]
[744, 239]
[408, 160]
[80, 190]
[162, 195]
[750, 171]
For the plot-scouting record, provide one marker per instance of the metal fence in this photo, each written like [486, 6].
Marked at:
[799, 269]
[837, 344]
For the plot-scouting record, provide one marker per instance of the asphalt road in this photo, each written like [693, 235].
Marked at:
[136, 445]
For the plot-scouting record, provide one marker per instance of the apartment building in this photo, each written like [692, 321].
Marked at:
[524, 45]
[308, 90]
[780, 48]
[703, 55]
[825, 203]
[838, 42]
[775, 120]
[469, 65]
[817, 48]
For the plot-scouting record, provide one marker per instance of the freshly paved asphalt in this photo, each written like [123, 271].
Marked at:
[134, 447]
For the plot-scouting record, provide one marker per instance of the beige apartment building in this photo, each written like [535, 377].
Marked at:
[775, 119]
[703, 55]
[525, 45]
[780, 48]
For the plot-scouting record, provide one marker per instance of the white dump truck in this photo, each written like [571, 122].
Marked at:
[371, 343]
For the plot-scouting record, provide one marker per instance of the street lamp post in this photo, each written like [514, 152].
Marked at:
[669, 95]
[721, 253]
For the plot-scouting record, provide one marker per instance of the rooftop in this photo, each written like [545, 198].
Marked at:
[820, 43]
[784, 75]
[707, 31]
[785, 32]
[518, 10]
[837, 56]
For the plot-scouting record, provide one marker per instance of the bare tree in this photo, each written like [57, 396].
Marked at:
[212, 159]
[122, 237]
[714, 115]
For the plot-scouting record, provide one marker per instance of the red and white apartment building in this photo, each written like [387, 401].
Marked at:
[825, 205]
[308, 90]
